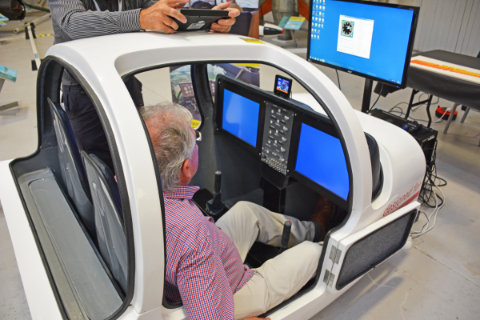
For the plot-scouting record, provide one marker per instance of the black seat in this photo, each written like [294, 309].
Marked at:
[71, 169]
[377, 174]
[112, 242]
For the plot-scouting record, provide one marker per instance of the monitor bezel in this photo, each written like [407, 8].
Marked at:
[413, 29]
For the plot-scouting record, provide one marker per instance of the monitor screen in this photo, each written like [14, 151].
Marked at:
[240, 116]
[320, 158]
[370, 39]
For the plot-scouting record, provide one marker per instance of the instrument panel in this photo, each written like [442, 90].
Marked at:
[289, 139]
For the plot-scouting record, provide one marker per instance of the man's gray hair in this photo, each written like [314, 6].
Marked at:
[169, 127]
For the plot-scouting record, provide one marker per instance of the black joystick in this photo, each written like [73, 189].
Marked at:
[287, 226]
[215, 206]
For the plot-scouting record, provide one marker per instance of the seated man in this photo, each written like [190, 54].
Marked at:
[205, 266]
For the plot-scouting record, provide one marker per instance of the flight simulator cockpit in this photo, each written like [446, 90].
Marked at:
[270, 147]
[288, 139]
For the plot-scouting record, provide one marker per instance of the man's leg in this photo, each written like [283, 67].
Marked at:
[247, 222]
[277, 280]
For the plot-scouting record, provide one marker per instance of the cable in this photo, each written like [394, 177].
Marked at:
[428, 196]
[371, 108]
[397, 107]
[400, 111]
[444, 182]
[432, 217]
[401, 102]
[432, 198]
[338, 80]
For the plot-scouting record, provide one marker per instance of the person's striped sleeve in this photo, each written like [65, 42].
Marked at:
[74, 20]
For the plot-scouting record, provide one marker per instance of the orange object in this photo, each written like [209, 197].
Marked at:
[304, 9]
[445, 67]
[265, 8]
[441, 112]
[253, 31]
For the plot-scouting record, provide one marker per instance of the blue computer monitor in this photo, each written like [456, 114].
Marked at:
[320, 158]
[240, 116]
[371, 39]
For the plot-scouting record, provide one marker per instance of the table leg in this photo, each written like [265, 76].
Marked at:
[429, 102]
[450, 117]
[465, 114]
[8, 105]
[410, 104]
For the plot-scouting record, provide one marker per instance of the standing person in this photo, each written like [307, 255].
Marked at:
[77, 19]
[204, 260]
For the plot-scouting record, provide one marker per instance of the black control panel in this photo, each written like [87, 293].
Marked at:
[277, 137]
[286, 138]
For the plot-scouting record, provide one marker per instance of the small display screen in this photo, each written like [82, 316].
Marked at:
[320, 158]
[283, 86]
[240, 116]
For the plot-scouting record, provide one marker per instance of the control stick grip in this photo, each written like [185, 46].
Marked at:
[215, 206]
[287, 226]
[218, 181]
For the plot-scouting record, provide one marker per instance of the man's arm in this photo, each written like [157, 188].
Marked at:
[203, 284]
[76, 22]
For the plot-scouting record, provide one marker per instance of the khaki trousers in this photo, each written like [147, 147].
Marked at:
[278, 278]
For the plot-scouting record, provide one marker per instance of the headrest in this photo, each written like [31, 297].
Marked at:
[377, 175]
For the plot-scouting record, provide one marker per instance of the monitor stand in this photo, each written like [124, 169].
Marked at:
[367, 94]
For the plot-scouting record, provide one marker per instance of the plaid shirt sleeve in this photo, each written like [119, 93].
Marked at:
[203, 284]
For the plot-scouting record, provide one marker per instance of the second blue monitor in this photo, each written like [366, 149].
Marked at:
[321, 158]
[240, 116]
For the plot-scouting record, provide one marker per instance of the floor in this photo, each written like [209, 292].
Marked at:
[438, 278]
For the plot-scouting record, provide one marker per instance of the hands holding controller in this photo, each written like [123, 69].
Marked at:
[159, 17]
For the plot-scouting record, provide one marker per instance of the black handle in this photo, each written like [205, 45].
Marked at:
[215, 206]
[218, 181]
[286, 234]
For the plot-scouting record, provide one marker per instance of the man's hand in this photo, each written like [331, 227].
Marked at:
[159, 16]
[224, 25]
